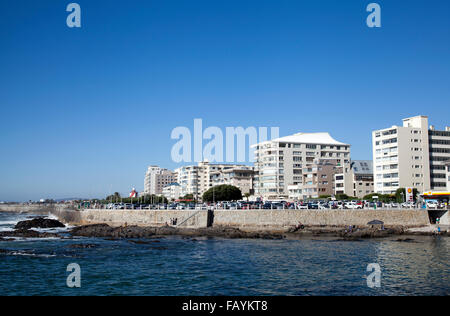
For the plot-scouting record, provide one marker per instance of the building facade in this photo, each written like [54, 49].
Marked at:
[156, 179]
[280, 164]
[197, 179]
[238, 176]
[318, 178]
[410, 156]
[355, 179]
[439, 142]
[447, 174]
[172, 191]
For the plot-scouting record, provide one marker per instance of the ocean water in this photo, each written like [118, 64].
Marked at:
[177, 266]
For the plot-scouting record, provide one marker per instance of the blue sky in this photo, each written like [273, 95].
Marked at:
[84, 111]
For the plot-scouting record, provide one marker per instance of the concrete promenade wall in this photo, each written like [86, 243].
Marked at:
[191, 219]
[25, 208]
[284, 218]
[259, 219]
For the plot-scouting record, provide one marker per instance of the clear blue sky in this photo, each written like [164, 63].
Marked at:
[84, 111]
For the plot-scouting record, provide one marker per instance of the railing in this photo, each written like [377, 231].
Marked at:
[188, 218]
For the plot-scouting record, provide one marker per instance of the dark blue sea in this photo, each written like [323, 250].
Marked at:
[177, 266]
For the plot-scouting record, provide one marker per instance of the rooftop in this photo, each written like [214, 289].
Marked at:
[362, 166]
[307, 138]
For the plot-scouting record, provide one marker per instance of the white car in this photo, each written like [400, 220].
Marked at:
[302, 206]
[352, 206]
[432, 204]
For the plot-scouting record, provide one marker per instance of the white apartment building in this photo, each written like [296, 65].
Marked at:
[439, 154]
[238, 176]
[410, 156]
[446, 165]
[355, 179]
[156, 179]
[279, 163]
[172, 191]
[198, 179]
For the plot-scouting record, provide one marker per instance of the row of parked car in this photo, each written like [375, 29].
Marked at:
[277, 205]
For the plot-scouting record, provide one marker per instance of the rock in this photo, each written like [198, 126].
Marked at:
[39, 222]
[6, 239]
[103, 230]
[97, 230]
[24, 233]
[405, 240]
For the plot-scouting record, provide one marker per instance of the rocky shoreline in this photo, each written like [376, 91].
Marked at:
[106, 231]
[24, 229]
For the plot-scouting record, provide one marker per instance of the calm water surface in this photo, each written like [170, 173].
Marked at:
[177, 266]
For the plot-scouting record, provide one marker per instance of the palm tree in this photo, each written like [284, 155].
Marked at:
[247, 195]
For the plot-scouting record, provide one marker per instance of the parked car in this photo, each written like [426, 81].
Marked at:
[432, 204]
[302, 206]
[181, 206]
[323, 206]
[352, 206]
[119, 206]
[313, 206]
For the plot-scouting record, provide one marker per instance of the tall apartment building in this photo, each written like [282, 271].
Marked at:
[439, 154]
[355, 179]
[280, 163]
[156, 179]
[410, 156]
[172, 191]
[198, 179]
[318, 178]
[447, 174]
[238, 176]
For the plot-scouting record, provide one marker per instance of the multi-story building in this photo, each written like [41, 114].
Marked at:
[156, 179]
[439, 142]
[172, 191]
[238, 176]
[188, 178]
[198, 179]
[355, 179]
[447, 174]
[410, 156]
[318, 178]
[280, 163]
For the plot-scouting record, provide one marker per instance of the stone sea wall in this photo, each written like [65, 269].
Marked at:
[188, 219]
[251, 219]
[284, 218]
[25, 208]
